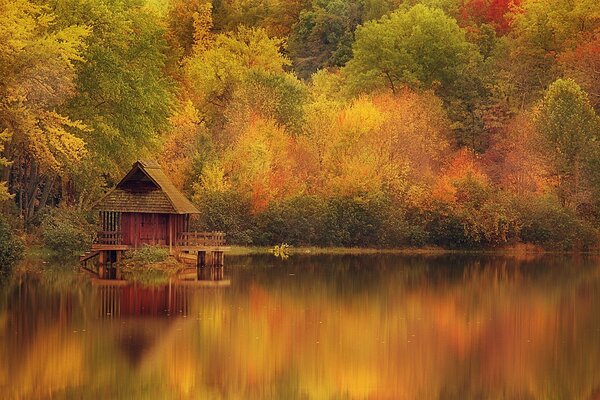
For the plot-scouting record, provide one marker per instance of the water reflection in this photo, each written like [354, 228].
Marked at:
[125, 301]
[452, 327]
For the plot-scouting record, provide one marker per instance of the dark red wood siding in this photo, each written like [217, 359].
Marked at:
[151, 229]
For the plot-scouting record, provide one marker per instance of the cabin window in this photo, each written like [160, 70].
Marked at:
[110, 221]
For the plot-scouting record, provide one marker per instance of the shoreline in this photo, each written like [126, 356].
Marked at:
[312, 250]
[41, 252]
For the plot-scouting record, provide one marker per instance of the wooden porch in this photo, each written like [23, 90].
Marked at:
[201, 249]
[185, 242]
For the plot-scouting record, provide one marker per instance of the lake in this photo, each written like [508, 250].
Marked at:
[312, 327]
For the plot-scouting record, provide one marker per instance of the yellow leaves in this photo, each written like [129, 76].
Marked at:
[53, 145]
[375, 143]
[37, 73]
[464, 165]
[213, 178]
[360, 118]
[181, 143]
[203, 23]
[4, 137]
[214, 72]
[357, 175]
[261, 162]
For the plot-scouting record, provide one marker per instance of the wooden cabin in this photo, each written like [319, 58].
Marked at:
[145, 208]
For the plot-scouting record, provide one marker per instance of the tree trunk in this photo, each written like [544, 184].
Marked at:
[49, 183]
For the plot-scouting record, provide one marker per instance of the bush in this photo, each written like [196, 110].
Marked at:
[478, 217]
[68, 231]
[226, 211]
[11, 248]
[298, 221]
[150, 265]
[147, 255]
[353, 222]
[547, 223]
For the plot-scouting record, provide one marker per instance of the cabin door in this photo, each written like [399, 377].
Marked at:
[153, 229]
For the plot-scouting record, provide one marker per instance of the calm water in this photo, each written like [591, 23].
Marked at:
[356, 327]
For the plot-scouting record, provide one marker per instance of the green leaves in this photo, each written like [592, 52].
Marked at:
[420, 47]
[571, 126]
[568, 120]
[122, 91]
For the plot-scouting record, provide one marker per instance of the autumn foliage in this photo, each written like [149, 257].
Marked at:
[379, 123]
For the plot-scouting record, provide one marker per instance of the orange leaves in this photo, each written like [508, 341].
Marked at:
[516, 159]
[261, 162]
[181, 143]
[493, 12]
[464, 165]
[375, 143]
[415, 132]
[583, 64]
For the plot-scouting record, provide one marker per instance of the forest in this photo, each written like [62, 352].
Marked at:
[468, 124]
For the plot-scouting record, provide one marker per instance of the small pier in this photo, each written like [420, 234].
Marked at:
[203, 250]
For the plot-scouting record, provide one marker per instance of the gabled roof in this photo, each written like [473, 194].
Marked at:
[146, 189]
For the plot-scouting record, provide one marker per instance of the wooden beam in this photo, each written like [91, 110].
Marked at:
[170, 234]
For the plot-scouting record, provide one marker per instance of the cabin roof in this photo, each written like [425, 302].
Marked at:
[146, 189]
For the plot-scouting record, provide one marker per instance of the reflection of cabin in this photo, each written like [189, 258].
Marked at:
[145, 208]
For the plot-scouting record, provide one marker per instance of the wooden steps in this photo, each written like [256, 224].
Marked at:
[88, 255]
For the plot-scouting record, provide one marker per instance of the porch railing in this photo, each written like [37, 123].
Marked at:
[197, 239]
[109, 237]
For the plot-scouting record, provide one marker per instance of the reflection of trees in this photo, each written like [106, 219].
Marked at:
[379, 327]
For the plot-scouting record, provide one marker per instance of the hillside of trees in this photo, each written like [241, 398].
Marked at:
[387, 123]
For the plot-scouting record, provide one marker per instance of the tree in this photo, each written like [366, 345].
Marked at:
[583, 65]
[516, 160]
[122, 92]
[38, 63]
[189, 23]
[276, 17]
[495, 13]
[261, 164]
[214, 77]
[187, 146]
[570, 125]
[4, 193]
[540, 31]
[323, 35]
[420, 47]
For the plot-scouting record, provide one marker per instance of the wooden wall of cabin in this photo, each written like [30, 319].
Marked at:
[152, 229]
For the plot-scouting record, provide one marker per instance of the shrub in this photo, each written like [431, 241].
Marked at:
[353, 222]
[67, 231]
[298, 221]
[478, 217]
[11, 248]
[401, 226]
[147, 255]
[226, 211]
[547, 223]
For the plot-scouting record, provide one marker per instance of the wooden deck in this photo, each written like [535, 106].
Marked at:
[186, 242]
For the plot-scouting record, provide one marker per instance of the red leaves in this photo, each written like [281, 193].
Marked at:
[492, 12]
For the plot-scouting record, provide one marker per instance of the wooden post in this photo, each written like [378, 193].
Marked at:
[170, 234]
[101, 262]
[118, 262]
[201, 259]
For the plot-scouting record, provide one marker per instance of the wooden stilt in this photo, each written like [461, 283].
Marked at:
[101, 264]
[118, 264]
[202, 259]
